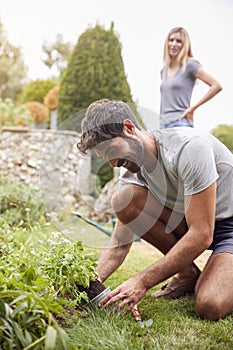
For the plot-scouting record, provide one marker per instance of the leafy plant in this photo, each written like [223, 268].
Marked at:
[51, 264]
[69, 267]
[19, 204]
[26, 323]
[39, 274]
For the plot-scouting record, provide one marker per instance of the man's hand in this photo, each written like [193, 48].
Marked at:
[129, 293]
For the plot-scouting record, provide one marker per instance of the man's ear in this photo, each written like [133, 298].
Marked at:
[128, 127]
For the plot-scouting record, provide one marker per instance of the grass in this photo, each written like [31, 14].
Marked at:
[175, 325]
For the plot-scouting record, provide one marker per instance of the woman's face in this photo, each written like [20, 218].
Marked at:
[175, 44]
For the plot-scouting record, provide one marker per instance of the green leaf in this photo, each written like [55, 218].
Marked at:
[50, 340]
[19, 308]
[63, 340]
[19, 298]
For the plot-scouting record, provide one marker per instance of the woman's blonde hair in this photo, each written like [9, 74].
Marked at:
[185, 52]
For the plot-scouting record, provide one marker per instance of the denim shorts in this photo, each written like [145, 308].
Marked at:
[176, 123]
[223, 237]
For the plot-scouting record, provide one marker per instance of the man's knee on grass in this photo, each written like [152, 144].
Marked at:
[210, 307]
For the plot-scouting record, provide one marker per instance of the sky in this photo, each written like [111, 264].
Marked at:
[141, 27]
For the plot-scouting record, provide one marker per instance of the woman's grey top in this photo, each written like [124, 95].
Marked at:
[176, 93]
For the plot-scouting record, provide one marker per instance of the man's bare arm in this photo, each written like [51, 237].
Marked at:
[200, 217]
[113, 255]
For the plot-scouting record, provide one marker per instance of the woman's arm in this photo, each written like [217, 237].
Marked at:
[214, 89]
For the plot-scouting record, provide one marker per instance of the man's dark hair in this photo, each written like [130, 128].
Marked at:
[104, 121]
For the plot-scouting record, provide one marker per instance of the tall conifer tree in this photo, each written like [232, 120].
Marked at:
[95, 71]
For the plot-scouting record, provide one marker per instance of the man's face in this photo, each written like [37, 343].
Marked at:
[127, 152]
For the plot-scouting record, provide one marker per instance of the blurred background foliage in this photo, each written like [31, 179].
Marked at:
[20, 204]
[225, 134]
[13, 70]
[12, 114]
[36, 90]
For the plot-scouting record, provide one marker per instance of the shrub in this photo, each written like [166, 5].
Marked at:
[38, 111]
[36, 90]
[51, 99]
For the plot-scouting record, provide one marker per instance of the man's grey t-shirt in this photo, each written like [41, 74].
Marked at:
[188, 163]
[176, 93]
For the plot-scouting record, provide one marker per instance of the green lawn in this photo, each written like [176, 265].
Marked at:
[175, 325]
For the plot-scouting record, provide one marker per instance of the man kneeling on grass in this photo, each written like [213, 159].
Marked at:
[176, 193]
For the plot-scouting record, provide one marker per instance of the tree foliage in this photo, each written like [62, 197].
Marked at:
[36, 90]
[225, 134]
[12, 68]
[95, 71]
[55, 55]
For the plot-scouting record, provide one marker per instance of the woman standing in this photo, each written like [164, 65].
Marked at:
[178, 76]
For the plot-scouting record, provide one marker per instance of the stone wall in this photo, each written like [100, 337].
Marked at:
[49, 161]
